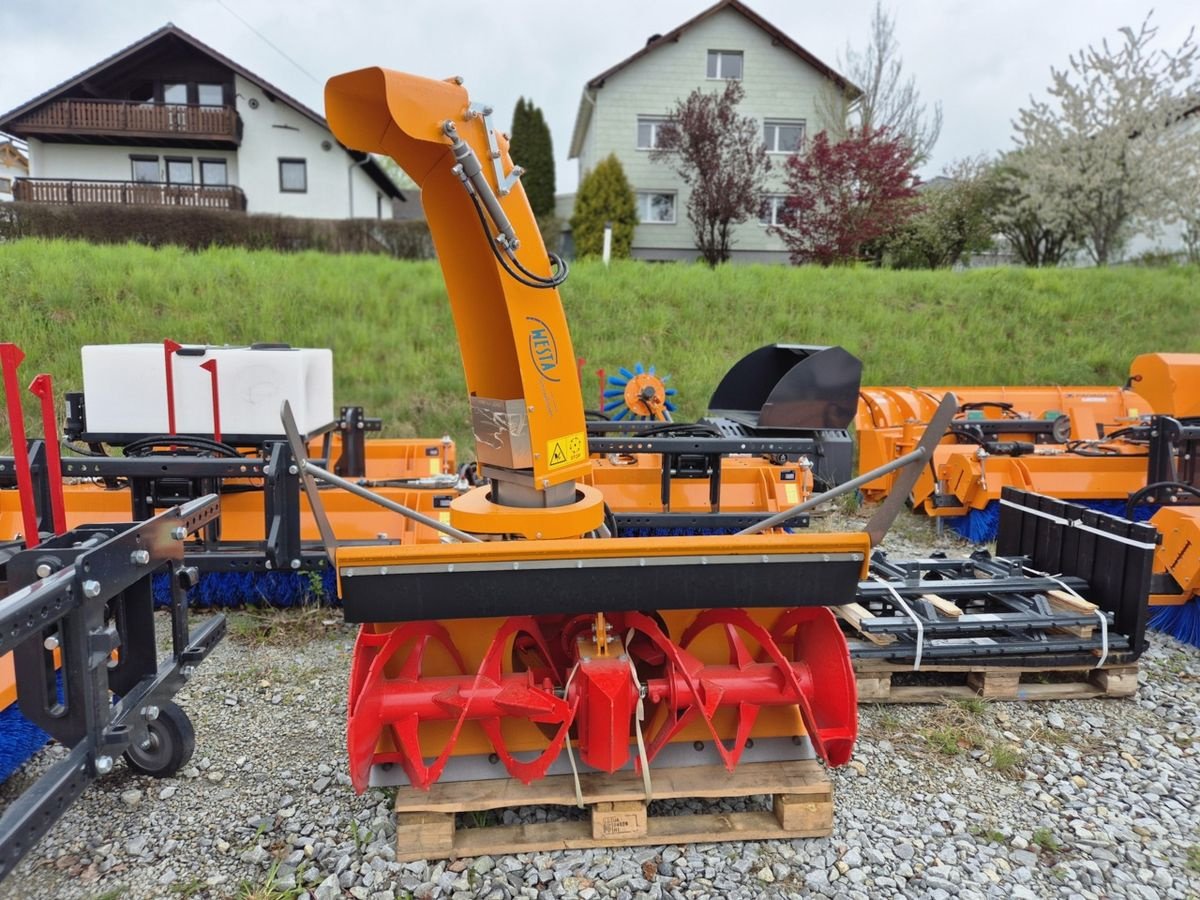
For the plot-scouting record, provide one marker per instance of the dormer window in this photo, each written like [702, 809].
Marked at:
[726, 64]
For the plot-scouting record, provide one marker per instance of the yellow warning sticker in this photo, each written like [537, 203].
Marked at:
[789, 491]
[566, 451]
[435, 465]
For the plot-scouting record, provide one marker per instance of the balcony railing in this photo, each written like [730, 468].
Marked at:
[131, 119]
[137, 193]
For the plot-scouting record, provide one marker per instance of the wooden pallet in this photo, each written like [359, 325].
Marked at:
[618, 815]
[880, 682]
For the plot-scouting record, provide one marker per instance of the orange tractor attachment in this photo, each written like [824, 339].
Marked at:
[528, 628]
[1085, 444]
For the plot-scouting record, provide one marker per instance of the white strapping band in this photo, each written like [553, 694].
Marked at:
[1077, 523]
[916, 619]
[1099, 612]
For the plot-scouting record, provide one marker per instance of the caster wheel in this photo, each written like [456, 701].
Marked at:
[172, 740]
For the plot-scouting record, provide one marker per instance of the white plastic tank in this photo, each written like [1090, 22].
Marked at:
[125, 389]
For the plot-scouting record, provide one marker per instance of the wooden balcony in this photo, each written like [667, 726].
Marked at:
[63, 191]
[129, 122]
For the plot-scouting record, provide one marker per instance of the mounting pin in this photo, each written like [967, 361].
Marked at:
[42, 570]
[51, 643]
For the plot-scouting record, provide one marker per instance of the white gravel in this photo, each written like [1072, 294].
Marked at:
[1099, 799]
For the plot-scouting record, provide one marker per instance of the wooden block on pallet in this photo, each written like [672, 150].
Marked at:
[855, 613]
[804, 812]
[941, 604]
[1068, 602]
[995, 684]
[873, 686]
[618, 819]
[425, 834]
[1116, 681]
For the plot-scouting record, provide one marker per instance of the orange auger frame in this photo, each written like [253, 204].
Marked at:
[1073, 443]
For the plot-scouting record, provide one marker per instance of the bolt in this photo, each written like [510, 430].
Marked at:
[267, 471]
[293, 470]
[43, 570]
[150, 712]
[178, 533]
[295, 563]
[104, 765]
[51, 643]
[91, 588]
[139, 557]
[187, 672]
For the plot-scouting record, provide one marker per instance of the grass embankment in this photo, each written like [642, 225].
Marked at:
[396, 353]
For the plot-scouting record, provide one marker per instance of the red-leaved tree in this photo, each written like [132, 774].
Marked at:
[846, 196]
[721, 157]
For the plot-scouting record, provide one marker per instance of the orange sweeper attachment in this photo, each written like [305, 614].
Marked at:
[527, 627]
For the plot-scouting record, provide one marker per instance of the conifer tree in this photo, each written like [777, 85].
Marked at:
[604, 196]
[531, 148]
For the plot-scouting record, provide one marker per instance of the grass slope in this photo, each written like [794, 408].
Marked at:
[395, 349]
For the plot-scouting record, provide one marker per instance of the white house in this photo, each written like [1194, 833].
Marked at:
[622, 107]
[13, 165]
[170, 121]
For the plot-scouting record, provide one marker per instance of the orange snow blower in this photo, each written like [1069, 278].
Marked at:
[527, 628]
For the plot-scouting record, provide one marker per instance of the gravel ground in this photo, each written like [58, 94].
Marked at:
[1071, 799]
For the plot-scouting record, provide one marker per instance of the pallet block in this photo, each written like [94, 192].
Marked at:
[883, 683]
[802, 806]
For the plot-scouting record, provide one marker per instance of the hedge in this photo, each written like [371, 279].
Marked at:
[197, 229]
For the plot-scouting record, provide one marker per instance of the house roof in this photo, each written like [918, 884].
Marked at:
[777, 36]
[373, 170]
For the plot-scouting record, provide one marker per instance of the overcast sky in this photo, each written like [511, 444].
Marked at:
[980, 60]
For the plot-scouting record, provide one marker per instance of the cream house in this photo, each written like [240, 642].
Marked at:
[170, 121]
[622, 108]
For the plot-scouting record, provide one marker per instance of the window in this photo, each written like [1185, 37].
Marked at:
[210, 95]
[293, 176]
[213, 172]
[648, 130]
[145, 168]
[179, 170]
[725, 64]
[783, 135]
[656, 207]
[5, 185]
[175, 93]
[773, 209]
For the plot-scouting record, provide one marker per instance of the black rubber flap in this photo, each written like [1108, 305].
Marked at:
[687, 584]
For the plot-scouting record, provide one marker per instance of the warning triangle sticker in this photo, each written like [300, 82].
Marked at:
[557, 457]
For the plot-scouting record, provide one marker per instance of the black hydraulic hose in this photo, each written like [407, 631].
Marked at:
[1137, 496]
[532, 280]
[146, 446]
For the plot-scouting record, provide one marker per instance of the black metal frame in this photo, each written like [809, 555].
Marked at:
[87, 593]
[1006, 616]
[158, 482]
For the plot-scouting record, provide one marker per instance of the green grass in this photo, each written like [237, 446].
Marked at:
[395, 349]
[1045, 839]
